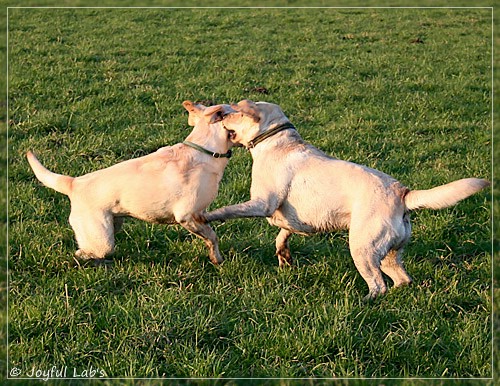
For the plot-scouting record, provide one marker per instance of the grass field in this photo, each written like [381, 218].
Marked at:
[407, 91]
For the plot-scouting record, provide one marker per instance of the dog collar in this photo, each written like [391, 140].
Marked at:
[203, 150]
[266, 134]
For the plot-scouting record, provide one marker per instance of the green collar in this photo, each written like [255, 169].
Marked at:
[203, 150]
[266, 134]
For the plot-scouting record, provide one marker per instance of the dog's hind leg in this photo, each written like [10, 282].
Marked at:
[205, 232]
[370, 271]
[393, 267]
[94, 235]
[368, 247]
[392, 264]
[282, 248]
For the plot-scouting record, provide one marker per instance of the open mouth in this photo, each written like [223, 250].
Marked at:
[231, 134]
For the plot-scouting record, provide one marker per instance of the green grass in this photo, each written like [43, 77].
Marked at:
[407, 91]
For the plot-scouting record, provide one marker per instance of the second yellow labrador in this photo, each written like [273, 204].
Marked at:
[172, 185]
[302, 190]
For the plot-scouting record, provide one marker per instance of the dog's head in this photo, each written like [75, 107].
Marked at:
[246, 120]
[207, 124]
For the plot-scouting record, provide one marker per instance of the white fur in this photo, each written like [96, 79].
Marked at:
[302, 190]
[173, 185]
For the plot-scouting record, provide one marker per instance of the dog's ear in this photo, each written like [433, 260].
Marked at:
[249, 108]
[215, 113]
[218, 112]
[195, 112]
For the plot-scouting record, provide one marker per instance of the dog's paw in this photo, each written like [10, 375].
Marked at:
[84, 259]
[82, 255]
[374, 293]
[284, 258]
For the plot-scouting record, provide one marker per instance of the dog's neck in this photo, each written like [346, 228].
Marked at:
[271, 130]
[208, 142]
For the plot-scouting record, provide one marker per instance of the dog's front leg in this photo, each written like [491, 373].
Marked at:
[205, 232]
[252, 208]
[282, 248]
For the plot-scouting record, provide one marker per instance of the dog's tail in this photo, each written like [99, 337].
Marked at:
[445, 195]
[58, 182]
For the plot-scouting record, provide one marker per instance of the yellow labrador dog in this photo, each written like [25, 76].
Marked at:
[173, 185]
[302, 190]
